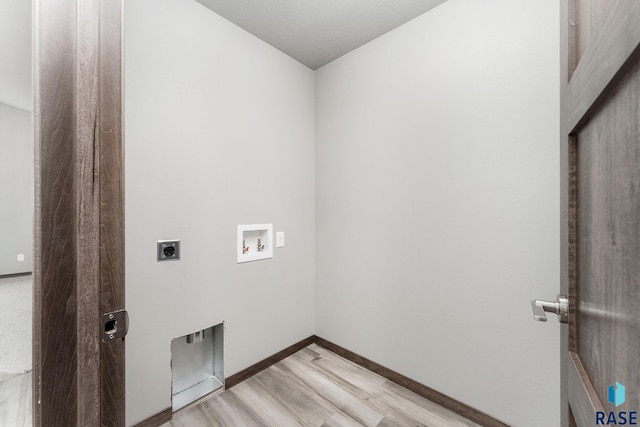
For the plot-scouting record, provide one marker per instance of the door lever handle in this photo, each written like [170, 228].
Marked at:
[560, 307]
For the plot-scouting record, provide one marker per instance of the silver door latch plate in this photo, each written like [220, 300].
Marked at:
[114, 325]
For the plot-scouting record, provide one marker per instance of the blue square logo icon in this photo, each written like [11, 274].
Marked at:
[615, 394]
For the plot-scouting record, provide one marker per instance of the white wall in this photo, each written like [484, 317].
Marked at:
[16, 145]
[15, 54]
[16, 190]
[438, 203]
[219, 132]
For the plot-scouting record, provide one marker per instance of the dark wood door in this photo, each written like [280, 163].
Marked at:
[79, 241]
[601, 210]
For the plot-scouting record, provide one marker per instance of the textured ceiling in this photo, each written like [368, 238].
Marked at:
[315, 32]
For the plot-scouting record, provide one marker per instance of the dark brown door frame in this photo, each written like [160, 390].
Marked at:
[79, 210]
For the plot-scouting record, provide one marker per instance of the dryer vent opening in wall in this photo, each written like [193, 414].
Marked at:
[196, 365]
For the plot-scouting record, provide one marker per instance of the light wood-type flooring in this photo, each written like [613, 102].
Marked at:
[15, 400]
[315, 387]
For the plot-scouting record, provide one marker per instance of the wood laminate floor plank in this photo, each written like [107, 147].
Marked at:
[263, 403]
[225, 410]
[315, 387]
[341, 420]
[368, 387]
[341, 397]
[302, 401]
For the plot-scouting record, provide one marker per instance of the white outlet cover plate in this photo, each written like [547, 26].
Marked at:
[280, 239]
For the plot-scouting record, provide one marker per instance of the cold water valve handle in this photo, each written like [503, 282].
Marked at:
[560, 307]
